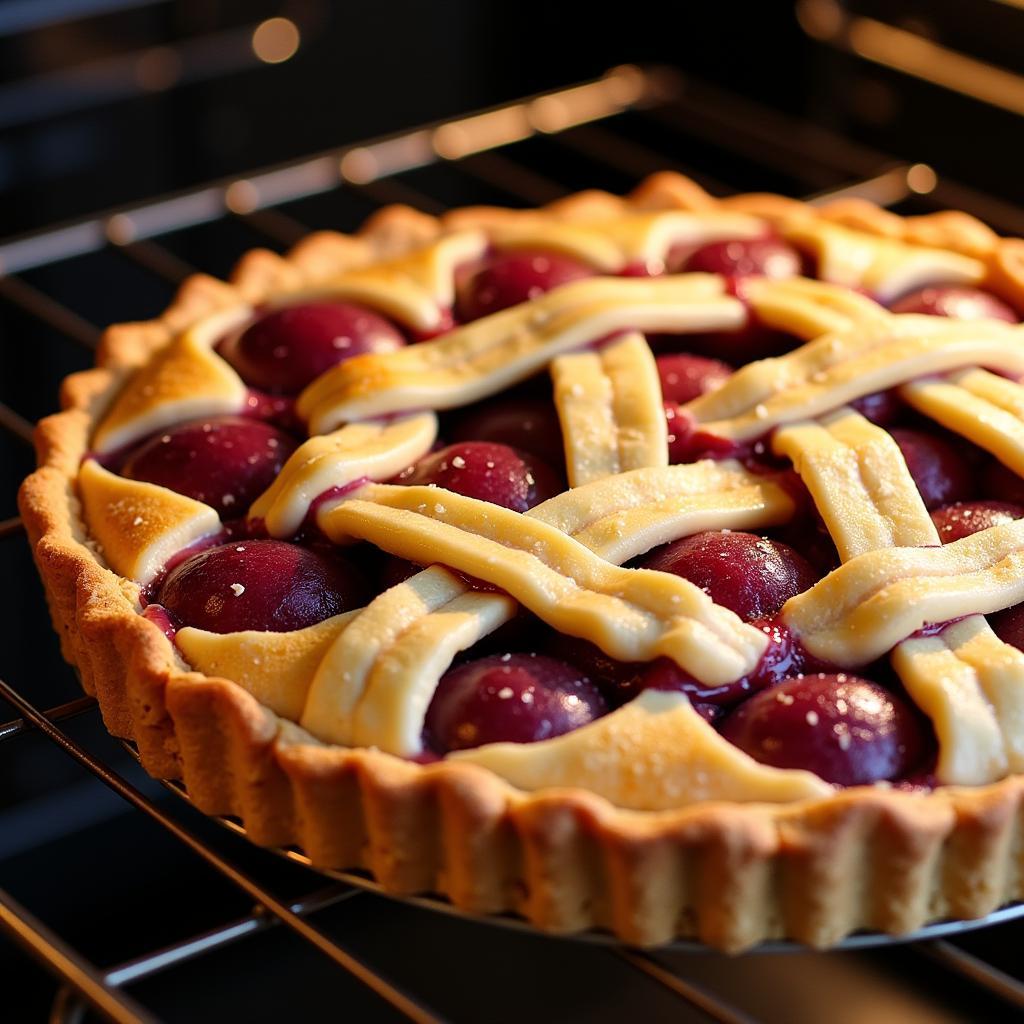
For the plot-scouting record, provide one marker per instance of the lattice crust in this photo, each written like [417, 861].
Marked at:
[984, 408]
[358, 452]
[837, 369]
[417, 289]
[276, 668]
[184, 381]
[138, 526]
[631, 614]
[610, 410]
[613, 757]
[454, 827]
[482, 358]
[610, 407]
[393, 640]
[968, 682]
[610, 245]
[886, 268]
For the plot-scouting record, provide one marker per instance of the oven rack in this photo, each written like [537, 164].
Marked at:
[582, 121]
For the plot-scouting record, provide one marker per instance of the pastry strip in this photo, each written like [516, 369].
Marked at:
[868, 605]
[484, 357]
[610, 408]
[276, 668]
[631, 614]
[653, 754]
[970, 684]
[621, 517]
[981, 406]
[184, 381]
[360, 451]
[885, 267]
[837, 369]
[138, 525]
[642, 239]
[809, 309]
[418, 289]
[859, 482]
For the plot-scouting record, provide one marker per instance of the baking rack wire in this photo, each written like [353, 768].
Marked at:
[476, 144]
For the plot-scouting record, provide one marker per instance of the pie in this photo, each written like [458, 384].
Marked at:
[652, 564]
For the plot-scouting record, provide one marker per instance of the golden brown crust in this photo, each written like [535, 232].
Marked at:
[729, 875]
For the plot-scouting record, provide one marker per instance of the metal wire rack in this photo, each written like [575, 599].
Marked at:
[610, 131]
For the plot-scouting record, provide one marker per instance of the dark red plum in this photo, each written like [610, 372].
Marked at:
[490, 472]
[226, 461]
[514, 698]
[287, 348]
[847, 730]
[751, 575]
[516, 276]
[258, 584]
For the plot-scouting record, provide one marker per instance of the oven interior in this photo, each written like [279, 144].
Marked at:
[117, 900]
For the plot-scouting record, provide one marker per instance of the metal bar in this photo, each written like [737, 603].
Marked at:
[631, 158]
[356, 968]
[54, 954]
[765, 136]
[714, 1008]
[72, 709]
[620, 89]
[216, 938]
[277, 226]
[385, 191]
[157, 260]
[885, 189]
[16, 424]
[11, 527]
[512, 177]
[51, 312]
[912, 54]
[971, 967]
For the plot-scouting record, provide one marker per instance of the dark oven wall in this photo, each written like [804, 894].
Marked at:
[143, 97]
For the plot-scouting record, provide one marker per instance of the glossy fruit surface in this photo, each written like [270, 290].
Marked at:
[225, 461]
[751, 575]
[529, 424]
[516, 698]
[941, 473]
[847, 730]
[287, 348]
[516, 276]
[258, 584]
[964, 518]
[490, 472]
[956, 301]
[748, 257]
[684, 376]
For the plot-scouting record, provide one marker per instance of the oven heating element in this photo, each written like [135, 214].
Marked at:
[585, 127]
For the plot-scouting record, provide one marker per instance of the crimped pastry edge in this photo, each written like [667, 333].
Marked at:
[728, 875]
